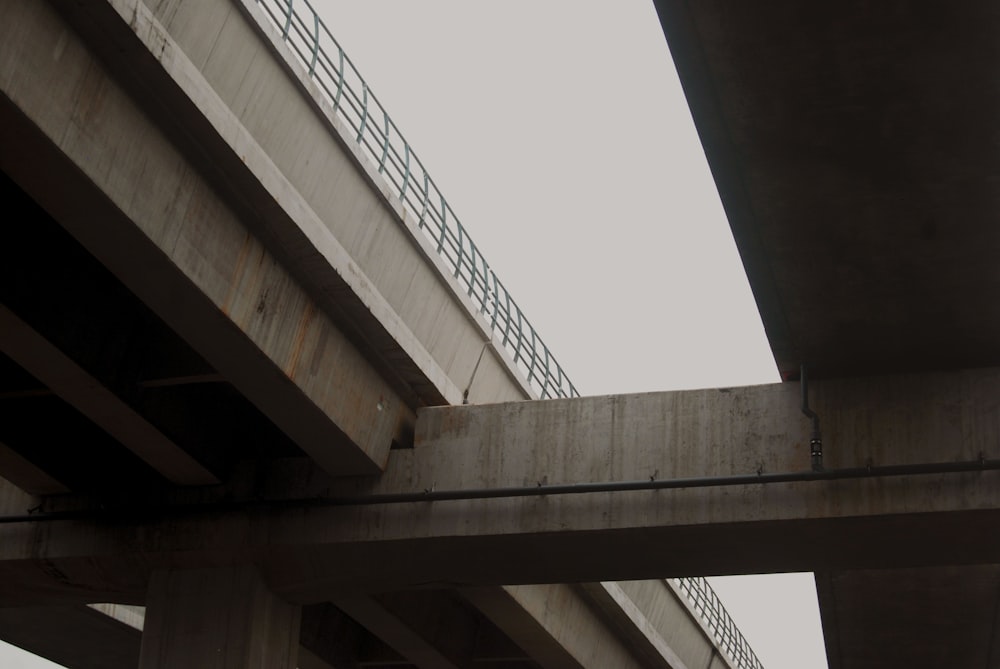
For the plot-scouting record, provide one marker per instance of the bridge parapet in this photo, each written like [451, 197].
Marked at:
[300, 27]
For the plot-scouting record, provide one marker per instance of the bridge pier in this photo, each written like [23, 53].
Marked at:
[217, 618]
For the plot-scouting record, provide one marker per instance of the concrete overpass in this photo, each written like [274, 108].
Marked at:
[228, 289]
[854, 149]
[263, 403]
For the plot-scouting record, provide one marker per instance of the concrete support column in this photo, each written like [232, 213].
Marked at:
[222, 618]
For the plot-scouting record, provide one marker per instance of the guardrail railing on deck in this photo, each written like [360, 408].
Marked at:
[722, 627]
[308, 37]
[355, 104]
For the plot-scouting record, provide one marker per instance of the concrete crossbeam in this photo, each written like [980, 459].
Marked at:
[312, 550]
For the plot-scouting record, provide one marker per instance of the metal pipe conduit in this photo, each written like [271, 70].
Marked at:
[847, 473]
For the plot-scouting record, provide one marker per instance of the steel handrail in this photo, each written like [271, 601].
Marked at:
[304, 32]
[382, 142]
[719, 623]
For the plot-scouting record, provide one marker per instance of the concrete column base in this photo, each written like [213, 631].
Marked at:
[222, 618]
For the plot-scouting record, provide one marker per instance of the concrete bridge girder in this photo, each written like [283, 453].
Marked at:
[202, 210]
[198, 266]
[312, 550]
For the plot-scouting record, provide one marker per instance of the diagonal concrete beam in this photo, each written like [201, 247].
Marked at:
[396, 632]
[136, 201]
[94, 400]
[555, 625]
[25, 475]
[75, 636]
[650, 629]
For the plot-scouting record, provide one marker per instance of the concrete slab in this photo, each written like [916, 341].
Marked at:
[847, 144]
[312, 550]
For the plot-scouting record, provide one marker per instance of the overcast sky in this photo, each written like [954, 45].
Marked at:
[560, 136]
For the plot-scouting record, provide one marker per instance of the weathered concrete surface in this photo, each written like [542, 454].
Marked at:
[656, 622]
[179, 246]
[272, 248]
[256, 242]
[380, 271]
[854, 152]
[235, 218]
[313, 552]
[555, 624]
[659, 623]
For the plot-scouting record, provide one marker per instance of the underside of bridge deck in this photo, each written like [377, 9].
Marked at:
[855, 150]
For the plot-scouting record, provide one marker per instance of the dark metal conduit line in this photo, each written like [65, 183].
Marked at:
[883, 471]
[816, 439]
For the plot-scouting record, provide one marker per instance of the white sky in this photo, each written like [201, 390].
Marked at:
[558, 132]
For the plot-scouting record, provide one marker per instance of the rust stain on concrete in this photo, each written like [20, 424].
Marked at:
[300, 336]
[241, 261]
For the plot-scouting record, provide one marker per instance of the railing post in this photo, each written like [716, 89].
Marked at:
[461, 251]
[364, 111]
[315, 53]
[340, 79]
[406, 174]
[444, 220]
[288, 22]
[496, 301]
[423, 205]
[385, 143]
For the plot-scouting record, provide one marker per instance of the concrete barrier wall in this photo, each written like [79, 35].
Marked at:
[285, 113]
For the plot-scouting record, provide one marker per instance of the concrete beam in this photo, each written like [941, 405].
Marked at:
[108, 636]
[555, 626]
[94, 400]
[396, 632]
[313, 197]
[180, 246]
[25, 475]
[653, 619]
[79, 636]
[434, 335]
[311, 552]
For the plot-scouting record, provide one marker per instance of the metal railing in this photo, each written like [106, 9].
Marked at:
[354, 103]
[307, 36]
[718, 621]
